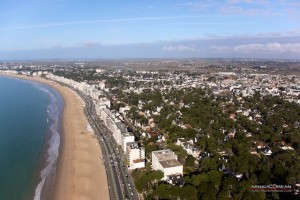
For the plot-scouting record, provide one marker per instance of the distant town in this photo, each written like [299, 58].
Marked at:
[193, 129]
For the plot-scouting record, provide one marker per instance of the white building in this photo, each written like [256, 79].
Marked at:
[126, 138]
[135, 156]
[118, 128]
[102, 85]
[166, 161]
[119, 132]
[102, 103]
[95, 94]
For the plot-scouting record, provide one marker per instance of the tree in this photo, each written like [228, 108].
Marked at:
[197, 180]
[149, 148]
[166, 191]
[145, 181]
[190, 161]
[208, 164]
[215, 177]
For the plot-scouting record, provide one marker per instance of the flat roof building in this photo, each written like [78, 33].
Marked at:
[166, 161]
[135, 155]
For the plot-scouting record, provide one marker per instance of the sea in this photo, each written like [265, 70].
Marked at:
[30, 135]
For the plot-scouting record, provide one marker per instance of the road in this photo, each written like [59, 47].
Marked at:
[121, 185]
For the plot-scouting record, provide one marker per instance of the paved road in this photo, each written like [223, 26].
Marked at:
[120, 182]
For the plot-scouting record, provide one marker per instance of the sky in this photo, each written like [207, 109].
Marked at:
[67, 29]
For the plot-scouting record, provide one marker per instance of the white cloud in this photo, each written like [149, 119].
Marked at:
[269, 48]
[238, 10]
[178, 48]
[274, 47]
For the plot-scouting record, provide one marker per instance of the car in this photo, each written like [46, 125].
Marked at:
[131, 193]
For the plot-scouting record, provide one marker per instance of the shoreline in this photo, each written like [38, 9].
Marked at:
[80, 174]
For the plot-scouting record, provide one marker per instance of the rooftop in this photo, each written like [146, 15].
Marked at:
[133, 145]
[126, 134]
[122, 127]
[139, 160]
[170, 163]
[164, 154]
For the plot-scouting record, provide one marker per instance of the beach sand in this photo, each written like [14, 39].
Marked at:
[80, 172]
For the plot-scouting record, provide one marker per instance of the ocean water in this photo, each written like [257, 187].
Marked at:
[30, 115]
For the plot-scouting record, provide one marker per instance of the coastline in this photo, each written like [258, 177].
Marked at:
[80, 173]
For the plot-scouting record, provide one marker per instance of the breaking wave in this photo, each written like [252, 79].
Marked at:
[53, 143]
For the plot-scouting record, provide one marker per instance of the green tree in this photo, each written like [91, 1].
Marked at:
[190, 161]
[215, 177]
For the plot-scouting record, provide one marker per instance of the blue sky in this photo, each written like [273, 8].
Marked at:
[42, 29]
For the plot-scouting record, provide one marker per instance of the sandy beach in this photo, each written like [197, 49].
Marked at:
[80, 172]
